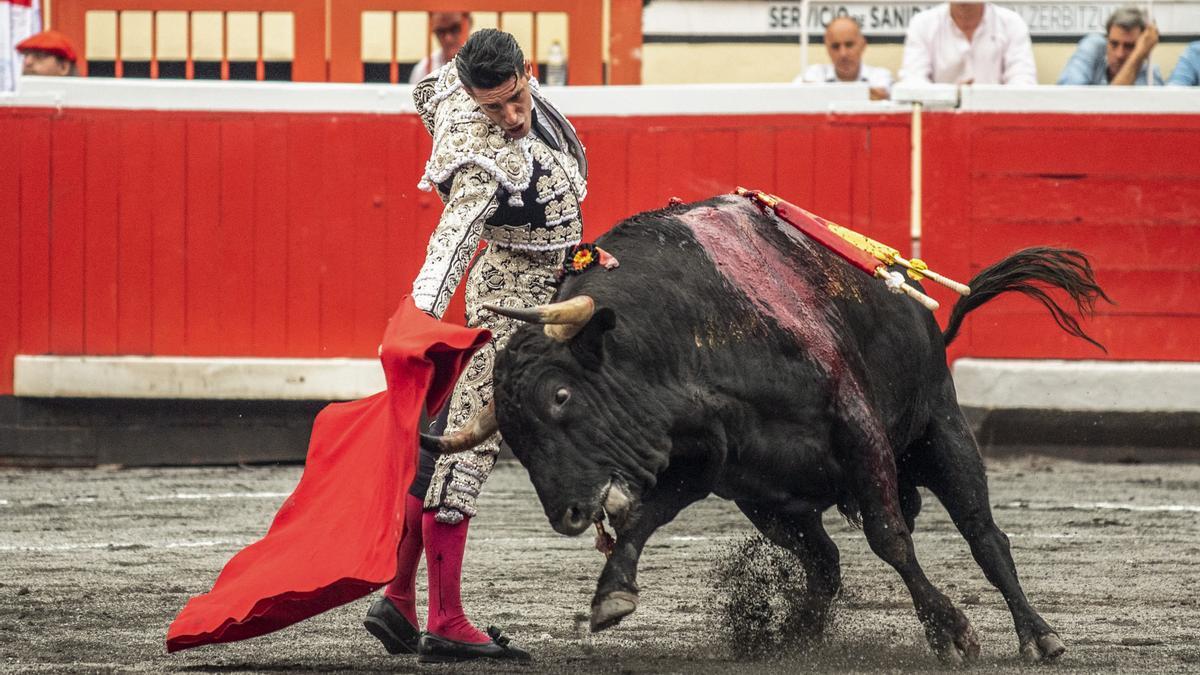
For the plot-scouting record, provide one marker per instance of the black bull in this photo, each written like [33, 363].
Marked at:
[730, 355]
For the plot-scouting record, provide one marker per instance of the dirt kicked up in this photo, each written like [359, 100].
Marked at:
[94, 564]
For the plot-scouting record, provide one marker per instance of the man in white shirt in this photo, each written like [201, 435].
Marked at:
[845, 44]
[451, 30]
[18, 20]
[968, 42]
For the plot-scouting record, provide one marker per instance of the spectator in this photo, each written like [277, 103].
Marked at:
[845, 44]
[48, 53]
[1187, 69]
[1121, 59]
[451, 30]
[968, 42]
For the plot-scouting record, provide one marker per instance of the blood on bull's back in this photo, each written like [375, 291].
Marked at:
[747, 286]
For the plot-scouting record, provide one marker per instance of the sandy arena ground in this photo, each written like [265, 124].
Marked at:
[94, 564]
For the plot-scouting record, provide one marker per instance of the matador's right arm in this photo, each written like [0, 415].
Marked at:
[471, 201]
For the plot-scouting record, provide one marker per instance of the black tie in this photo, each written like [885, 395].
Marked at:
[542, 132]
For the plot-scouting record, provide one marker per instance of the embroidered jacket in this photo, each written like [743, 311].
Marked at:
[522, 193]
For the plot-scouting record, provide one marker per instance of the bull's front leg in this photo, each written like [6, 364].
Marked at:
[872, 468]
[617, 590]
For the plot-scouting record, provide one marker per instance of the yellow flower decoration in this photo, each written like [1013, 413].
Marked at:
[582, 259]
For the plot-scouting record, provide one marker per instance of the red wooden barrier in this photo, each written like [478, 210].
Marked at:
[288, 234]
[1125, 189]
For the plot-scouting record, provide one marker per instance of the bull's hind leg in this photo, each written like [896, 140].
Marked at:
[805, 536]
[869, 457]
[953, 470]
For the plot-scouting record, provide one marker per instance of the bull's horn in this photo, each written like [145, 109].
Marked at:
[481, 426]
[562, 319]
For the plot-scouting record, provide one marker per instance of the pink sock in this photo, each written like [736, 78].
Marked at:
[403, 589]
[444, 548]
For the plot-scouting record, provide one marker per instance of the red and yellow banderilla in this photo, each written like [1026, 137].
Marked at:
[917, 269]
[861, 251]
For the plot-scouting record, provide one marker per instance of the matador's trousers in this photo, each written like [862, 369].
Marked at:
[500, 276]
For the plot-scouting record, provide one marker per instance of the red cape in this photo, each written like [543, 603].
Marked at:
[334, 539]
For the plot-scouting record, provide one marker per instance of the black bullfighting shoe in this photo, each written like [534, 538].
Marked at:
[386, 622]
[436, 649]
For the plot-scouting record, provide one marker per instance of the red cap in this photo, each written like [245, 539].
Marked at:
[51, 42]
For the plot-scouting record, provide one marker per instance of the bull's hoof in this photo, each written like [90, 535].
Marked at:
[959, 646]
[608, 611]
[1043, 648]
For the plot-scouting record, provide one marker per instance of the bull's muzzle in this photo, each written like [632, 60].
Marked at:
[613, 501]
[574, 521]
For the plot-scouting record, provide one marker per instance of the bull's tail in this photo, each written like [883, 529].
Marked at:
[1032, 271]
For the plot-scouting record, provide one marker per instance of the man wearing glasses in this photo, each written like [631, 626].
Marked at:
[451, 30]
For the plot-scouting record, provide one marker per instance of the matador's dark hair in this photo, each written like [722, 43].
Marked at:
[488, 59]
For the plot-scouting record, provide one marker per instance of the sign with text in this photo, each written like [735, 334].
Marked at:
[765, 19]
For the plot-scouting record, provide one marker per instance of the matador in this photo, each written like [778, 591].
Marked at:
[511, 172]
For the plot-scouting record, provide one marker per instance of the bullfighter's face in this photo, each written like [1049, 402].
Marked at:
[509, 104]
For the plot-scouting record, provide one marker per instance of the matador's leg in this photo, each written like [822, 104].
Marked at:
[507, 277]
[501, 276]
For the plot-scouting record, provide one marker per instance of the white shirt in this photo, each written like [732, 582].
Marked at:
[17, 21]
[422, 68]
[876, 78]
[935, 50]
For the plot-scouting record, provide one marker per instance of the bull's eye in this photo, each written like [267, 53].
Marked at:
[562, 396]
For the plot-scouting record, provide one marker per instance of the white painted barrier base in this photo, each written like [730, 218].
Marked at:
[1114, 386]
[1085, 386]
[178, 377]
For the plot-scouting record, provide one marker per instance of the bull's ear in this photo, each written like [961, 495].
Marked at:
[588, 345]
